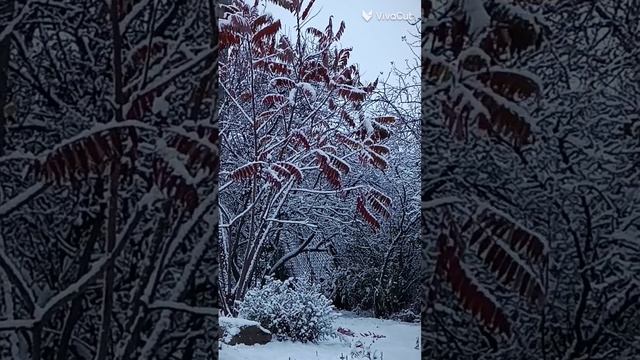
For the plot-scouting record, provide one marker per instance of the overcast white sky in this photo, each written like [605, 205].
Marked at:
[375, 42]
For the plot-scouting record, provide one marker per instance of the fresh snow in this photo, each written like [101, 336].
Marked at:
[477, 16]
[292, 96]
[475, 51]
[231, 326]
[237, 322]
[161, 105]
[368, 126]
[309, 89]
[399, 343]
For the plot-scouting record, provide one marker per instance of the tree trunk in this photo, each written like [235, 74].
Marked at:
[6, 12]
[112, 228]
[104, 343]
[76, 310]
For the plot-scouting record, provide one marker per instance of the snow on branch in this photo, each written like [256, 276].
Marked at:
[198, 251]
[97, 268]
[14, 325]
[295, 222]
[13, 273]
[137, 8]
[10, 27]
[21, 199]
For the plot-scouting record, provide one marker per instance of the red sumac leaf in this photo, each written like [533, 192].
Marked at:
[246, 171]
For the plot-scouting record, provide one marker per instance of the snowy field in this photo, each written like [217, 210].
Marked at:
[399, 343]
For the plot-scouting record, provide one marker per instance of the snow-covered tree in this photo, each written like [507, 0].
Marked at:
[569, 184]
[298, 144]
[108, 180]
[378, 273]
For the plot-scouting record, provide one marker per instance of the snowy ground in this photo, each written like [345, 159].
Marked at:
[399, 343]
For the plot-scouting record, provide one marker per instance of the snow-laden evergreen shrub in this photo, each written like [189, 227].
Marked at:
[294, 310]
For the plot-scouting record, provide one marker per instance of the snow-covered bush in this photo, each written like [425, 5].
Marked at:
[292, 309]
[406, 315]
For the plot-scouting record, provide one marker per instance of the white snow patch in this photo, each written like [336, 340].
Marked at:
[399, 342]
[308, 89]
[476, 16]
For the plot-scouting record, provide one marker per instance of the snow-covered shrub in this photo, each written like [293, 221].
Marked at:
[406, 315]
[290, 309]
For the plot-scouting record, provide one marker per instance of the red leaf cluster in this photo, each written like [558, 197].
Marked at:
[379, 202]
[285, 52]
[272, 179]
[372, 86]
[267, 32]
[377, 160]
[340, 164]
[283, 83]
[506, 122]
[314, 72]
[298, 138]
[509, 271]
[227, 38]
[379, 196]
[247, 171]
[305, 13]
[273, 99]
[366, 214]
[287, 170]
[379, 207]
[380, 132]
[472, 297]
[84, 156]
[517, 237]
[246, 96]
[511, 85]
[344, 115]
[435, 70]
[509, 38]
[508, 34]
[274, 67]
[341, 58]
[340, 31]
[330, 173]
[349, 142]
[379, 149]
[174, 186]
[448, 33]
[387, 120]
[291, 5]
[143, 104]
[199, 154]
